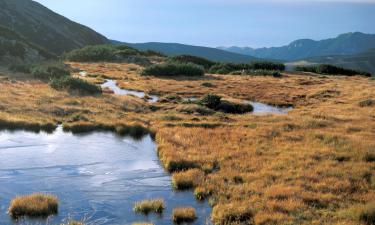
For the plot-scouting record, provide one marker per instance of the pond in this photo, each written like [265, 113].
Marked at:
[112, 85]
[97, 177]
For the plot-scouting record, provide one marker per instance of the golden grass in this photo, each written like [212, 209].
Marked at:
[187, 179]
[311, 166]
[34, 205]
[183, 214]
[150, 205]
[73, 222]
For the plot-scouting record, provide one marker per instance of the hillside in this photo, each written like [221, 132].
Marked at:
[16, 49]
[344, 44]
[173, 49]
[43, 27]
[363, 61]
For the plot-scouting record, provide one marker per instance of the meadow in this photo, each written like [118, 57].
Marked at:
[314, 165]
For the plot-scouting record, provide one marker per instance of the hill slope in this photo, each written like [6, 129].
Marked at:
[43, 27]
[16, 49]
[344, 44]
[173, 49]
[363, 61]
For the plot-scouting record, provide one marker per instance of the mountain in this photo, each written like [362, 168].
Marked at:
[363, 61]
[16, 49]
[344, 44]
[173, 49]
[43, 27]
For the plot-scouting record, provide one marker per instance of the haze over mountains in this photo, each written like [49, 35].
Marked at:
[344, 44]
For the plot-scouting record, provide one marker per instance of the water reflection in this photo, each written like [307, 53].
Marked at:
[97, 176]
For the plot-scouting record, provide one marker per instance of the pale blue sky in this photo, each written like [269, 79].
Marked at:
[254, 23]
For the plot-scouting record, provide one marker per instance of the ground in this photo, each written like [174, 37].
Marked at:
[314, 165]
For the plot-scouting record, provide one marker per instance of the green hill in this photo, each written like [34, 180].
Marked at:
[43, 27]
[174, 49]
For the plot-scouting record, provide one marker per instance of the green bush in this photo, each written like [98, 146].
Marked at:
[211, 101]
[227, 68]
[274, 73]
[49, 71]
[193, 59]
[331, 70]
[214, 102]
[75, 85]
[234, 108]
[96, 53]
[174, 69]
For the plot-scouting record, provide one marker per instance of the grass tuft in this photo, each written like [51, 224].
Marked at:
[367, 214]
[187, 179]
[34, 205]
[150, 205]
[232, 214]
[183, 215]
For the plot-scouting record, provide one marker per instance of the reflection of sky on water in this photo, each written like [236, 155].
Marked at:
[96, 176]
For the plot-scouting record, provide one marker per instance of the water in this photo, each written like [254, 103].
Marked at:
[112, 85]
[97, 177]
[83, 73]
[260, 108]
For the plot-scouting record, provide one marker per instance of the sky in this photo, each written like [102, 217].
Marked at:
[252, 23]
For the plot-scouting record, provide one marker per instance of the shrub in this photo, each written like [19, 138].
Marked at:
[193, 59]
[22, 68]
[232, 213]
[92, 53]
[211, 101]
[49, 71]
[234, 108]
[274, 73]
[227, 68]
[367, 214]
[151, 205]
[264, 65]
[187, 179]
[174, 69]
[75, 85]
[331, 70]
[34, 205]
[367, 103]
[183, 215]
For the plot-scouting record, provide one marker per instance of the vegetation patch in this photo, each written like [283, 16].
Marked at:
[183, 215]
[76, 86]
[193, 59]
[172, 69]
[34, 205]
[214, 102]
[73, 222]
[28, 126]
[331, 70]
[367, 103]
[232, 213]
[187, 179]
[243, 69]
[150, 206]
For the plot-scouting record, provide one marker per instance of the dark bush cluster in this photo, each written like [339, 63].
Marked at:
[174, 69]
[75, 85]
[193, 59]
[214, 102]
[96, 53]
[331, 70]
[243, 68]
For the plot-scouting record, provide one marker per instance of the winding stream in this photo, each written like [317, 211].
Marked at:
[112, 85]
[97, 177]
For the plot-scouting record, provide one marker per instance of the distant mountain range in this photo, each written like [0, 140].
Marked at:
[344, 44]
[362, 61]
[173, 49]
[41, 28]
